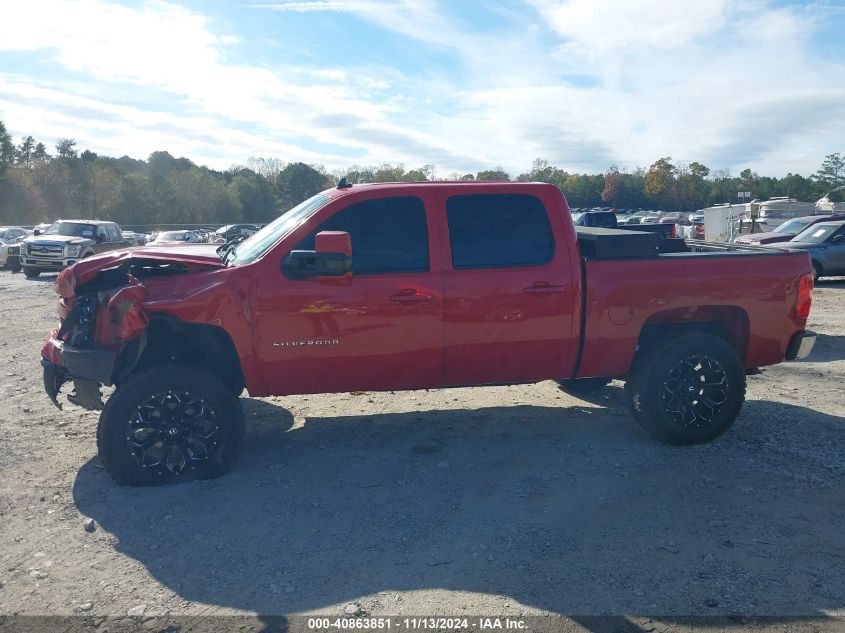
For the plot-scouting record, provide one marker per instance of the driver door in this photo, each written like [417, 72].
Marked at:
[379, 330]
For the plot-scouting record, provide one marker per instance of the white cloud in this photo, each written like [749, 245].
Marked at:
[617, 25]
[582, 83]
[306, 6]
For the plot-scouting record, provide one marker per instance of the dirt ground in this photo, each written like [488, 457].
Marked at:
[505, 500]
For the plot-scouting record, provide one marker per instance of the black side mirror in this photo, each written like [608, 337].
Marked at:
[308, 264]
[36, 232]
[332, 257]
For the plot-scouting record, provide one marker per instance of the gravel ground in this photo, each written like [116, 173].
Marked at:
[501, 500]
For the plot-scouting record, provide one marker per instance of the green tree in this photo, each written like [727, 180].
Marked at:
[24, 152]
[7, 149]
[66, 148]
[832, 172]
[256, 196]
[201, 198]
[493, 174]
[297, 182]
[659, 179]
[20, 198]
[39, 154]
[101, 190]
[612, 186]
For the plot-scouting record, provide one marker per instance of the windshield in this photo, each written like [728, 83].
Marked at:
[259, 243]
[792, 226]
[818, 233]
[71, 228]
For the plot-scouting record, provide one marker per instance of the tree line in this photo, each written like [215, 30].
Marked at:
[38, 185]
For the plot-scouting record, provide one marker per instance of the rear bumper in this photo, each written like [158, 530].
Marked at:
[801, 345]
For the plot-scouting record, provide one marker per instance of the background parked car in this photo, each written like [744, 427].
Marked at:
[231, 231]
[9, 254]
[178, 237]
[11, 234]
[695, 231]
[65, 242]
[825, 242]
[601, 219]
[134, 239]
[787, 230]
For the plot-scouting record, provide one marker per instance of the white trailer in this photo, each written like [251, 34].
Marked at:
[722, 221]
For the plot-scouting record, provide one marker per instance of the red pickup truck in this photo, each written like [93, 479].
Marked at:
[411, 286]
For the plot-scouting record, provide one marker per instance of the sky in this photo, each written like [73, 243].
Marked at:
[463, 85]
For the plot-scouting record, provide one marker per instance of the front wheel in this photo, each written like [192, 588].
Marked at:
[687, 388]
[167, 425]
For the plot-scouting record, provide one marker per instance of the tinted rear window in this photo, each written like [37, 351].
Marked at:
[498, 230]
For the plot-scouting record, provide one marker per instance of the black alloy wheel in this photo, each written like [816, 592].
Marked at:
[695, 391]
[173, 430]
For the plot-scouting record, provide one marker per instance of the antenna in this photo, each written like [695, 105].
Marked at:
[343, 184]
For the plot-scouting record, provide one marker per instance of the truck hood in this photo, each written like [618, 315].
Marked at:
[61, 239]
[196, 257]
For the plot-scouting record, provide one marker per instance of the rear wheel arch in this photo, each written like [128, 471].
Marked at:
[730, 323]
[818, 270]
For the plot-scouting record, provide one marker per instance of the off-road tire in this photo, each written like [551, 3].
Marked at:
[652, 374]
[123, 404]
[31, 273]
[583, 385]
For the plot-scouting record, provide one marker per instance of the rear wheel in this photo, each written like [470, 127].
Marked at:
[31, 273]
[687, 388]
[817, 271]
[169, 424]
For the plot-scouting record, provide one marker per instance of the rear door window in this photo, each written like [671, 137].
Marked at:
[498, 231]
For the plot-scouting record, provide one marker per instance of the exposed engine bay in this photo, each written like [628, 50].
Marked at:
[102, 324]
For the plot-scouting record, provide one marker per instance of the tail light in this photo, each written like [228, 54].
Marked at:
[699, 231]
[805, 296]
[674, 230]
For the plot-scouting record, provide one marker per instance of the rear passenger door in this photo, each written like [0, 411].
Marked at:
[510, 293]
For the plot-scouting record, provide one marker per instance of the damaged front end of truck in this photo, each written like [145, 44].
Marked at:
[106, 305]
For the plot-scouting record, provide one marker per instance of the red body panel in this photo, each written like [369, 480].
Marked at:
[512, 324]
[447, 326]
[320, 336]
[622, 299]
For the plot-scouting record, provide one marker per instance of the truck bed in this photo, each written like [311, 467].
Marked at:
[743, 286]
[601, 243]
